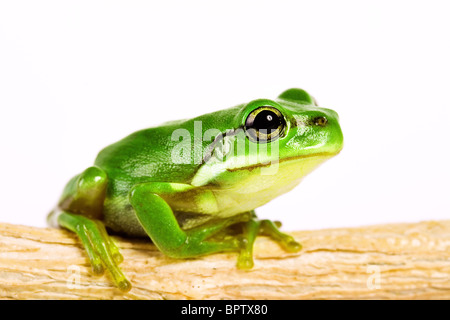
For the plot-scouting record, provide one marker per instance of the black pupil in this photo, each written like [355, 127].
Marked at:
[266, 119]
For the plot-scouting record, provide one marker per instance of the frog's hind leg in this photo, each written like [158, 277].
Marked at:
[269, 228]
[100, 248]
[79, 210]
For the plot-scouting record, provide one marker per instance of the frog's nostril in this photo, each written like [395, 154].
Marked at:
[320, 121]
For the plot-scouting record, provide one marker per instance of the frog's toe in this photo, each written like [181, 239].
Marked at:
[245, 261]
[97, 267]
[109, 242]
[124, 285]
[117, 257]
[291, 245]
[278, 223]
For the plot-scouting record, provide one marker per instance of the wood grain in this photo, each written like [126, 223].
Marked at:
[394, 261]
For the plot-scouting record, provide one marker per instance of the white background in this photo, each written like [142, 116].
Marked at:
[76, 76]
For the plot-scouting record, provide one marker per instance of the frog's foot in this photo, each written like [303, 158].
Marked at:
[270, 228]
[202, 240]
[102, 251]
[265, 227]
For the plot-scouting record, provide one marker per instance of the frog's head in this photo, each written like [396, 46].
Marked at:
[285, 137]
[295, 124]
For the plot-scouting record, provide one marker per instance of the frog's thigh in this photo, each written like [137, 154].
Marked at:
[86, 194]
[159, 222]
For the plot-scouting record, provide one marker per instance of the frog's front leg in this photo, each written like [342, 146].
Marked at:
[159, 222]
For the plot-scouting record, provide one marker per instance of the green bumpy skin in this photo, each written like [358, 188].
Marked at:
[191, 186]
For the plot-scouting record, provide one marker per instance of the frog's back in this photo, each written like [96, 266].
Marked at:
[143, 156]
[146, 155]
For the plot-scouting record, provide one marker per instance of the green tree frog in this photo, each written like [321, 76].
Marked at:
[192, 186]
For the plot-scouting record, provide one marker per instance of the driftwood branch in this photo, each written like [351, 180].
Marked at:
[396, 261]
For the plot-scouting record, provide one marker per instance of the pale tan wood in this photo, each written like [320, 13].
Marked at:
[395, 261]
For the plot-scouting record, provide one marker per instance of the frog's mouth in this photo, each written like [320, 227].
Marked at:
[314, 157]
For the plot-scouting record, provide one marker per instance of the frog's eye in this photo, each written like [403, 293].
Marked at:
[264, 124]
